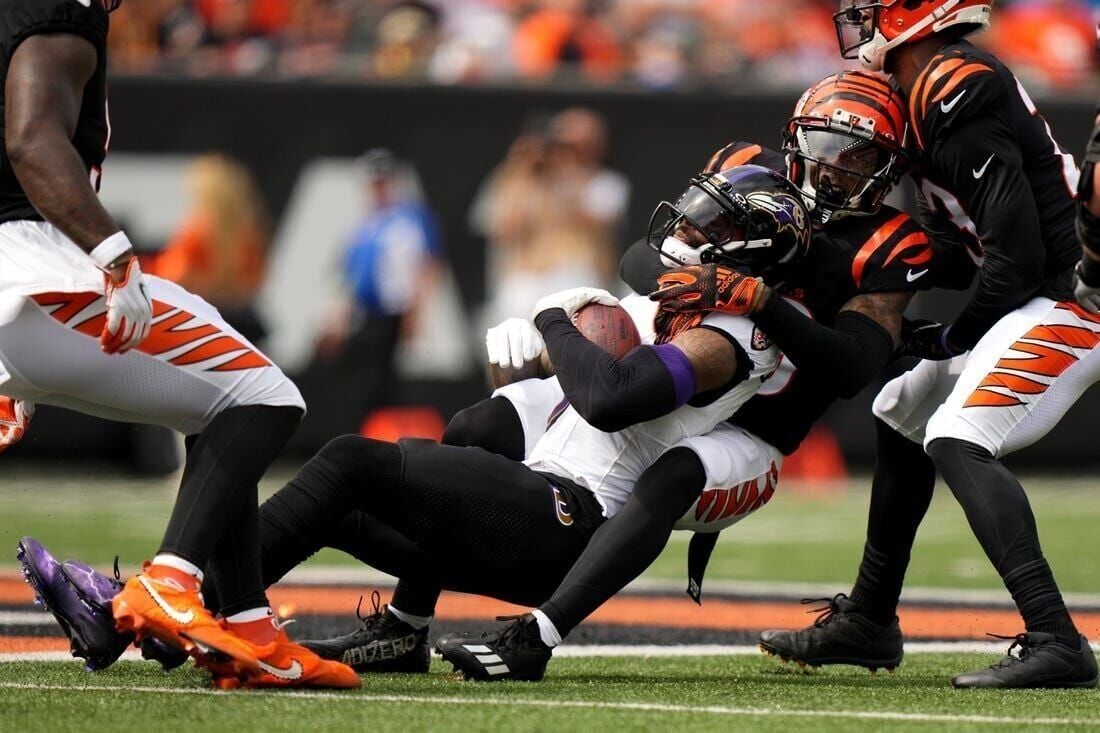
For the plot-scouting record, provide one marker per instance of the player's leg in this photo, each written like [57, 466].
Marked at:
[863, 630]
[742, 471]
[1021, 378]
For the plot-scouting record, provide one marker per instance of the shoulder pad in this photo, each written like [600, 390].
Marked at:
[896, 255]
[21, 20]
[743, 153]
[957, 85]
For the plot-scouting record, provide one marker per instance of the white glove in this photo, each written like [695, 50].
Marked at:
[573, 300]
[15, 416]
[129, 311]
[513, 343]
[1087, 296]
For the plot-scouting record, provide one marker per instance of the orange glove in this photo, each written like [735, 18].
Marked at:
[15, 416]
[707, 288]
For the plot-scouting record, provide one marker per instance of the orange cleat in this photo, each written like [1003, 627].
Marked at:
[161, 607]
[287, 665]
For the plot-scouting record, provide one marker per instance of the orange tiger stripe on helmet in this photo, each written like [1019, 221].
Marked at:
[734, 159]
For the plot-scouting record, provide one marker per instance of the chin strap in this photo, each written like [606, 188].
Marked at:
[873, 53]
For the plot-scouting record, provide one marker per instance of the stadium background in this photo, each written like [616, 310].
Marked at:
[298, 90]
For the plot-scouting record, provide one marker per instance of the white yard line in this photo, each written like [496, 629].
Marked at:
[500, 702]
[632, 650]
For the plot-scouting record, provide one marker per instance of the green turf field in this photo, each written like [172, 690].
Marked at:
[794, 539]
[622, 694]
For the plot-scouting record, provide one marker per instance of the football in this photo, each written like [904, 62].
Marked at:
[608, 326]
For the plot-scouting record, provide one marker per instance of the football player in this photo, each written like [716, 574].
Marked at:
[465, 519]
[994, 183]
[81, 327]
[836, 314]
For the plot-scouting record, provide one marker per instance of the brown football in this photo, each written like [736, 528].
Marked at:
[608, 326]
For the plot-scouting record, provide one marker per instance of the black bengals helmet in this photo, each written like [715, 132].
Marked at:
[750, 218]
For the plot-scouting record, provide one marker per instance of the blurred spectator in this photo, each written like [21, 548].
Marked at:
[657, 44]
[390, 260]
[551, 213]
[219, 251]
[1049, 43]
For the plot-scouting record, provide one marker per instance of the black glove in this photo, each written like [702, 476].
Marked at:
[927, 340]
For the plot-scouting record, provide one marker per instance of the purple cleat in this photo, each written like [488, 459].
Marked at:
[96, 591]
[90, 627]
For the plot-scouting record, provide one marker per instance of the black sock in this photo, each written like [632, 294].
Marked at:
[224, 464]
[416, 597]
[629, 542]
[901, 491]
[234, 570]
[1001, 518]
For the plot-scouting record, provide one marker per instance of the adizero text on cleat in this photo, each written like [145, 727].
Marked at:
[1041, 662]
[88, 625]
[840, 635]
[383, 643]
[512, 652]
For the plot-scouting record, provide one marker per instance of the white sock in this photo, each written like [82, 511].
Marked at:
[417, 622]
[547, 631]
[252, 614]
[178, 563]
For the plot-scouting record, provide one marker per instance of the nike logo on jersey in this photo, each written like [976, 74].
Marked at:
[180, 618]
[946, 107]
[293, 672]
[914, 276]
[979, 172]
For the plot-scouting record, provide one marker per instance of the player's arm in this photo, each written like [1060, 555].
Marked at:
[848, 355]
[1087, 287]
[612, 394]
[983, 164]
[43, 96]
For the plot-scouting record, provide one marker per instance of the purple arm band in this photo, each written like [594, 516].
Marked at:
[679, 366]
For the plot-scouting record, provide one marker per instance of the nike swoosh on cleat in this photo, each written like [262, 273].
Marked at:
[914, 276]
[946, 107]
[172, 613]
[293, 672]
[979, 172]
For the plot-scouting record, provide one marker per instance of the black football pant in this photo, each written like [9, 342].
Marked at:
[214, 521]
[446, 517]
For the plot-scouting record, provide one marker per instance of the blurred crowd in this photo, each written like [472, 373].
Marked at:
[650, 44]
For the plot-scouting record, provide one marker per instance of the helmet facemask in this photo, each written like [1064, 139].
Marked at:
[709, 224]
[840, 172]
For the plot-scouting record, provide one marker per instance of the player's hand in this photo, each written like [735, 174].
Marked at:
[15, 417]
[513, 343]
[928, 340]
[708, 287]
[1088, 295]
[573, 300]
[129, 309]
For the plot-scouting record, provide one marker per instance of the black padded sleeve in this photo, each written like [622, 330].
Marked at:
[848, 355]
[610, 394]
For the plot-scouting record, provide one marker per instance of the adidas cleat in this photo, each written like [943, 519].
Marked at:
[97, 590]
[514, 652]
[1042, 662]
[383, 643]
[840, 635]
[88, 625]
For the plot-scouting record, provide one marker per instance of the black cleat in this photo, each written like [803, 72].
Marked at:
[840, 635]
[1043, 661]
[514, 652]
[383, 643]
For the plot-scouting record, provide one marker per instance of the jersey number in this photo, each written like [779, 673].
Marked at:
[943, 202]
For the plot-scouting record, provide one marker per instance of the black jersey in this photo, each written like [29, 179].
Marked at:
[855, 255]
[21, 19]
[993, 183]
